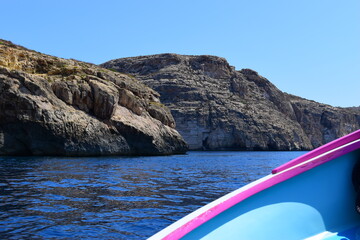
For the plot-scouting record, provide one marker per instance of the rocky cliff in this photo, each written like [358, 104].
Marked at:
[54, 106]
[219, 108]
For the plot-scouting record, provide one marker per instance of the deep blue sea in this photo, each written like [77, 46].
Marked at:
[118, 197]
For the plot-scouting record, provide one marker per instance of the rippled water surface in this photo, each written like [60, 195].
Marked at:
[118, 197]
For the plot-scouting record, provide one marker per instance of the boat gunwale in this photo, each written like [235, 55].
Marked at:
[318, 151]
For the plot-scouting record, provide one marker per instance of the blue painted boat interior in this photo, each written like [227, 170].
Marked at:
[321, 199]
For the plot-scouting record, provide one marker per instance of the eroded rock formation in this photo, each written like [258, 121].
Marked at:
[54, 106]
[217, 107]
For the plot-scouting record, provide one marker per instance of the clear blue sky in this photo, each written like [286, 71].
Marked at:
[310, 48]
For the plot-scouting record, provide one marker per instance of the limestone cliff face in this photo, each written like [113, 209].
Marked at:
[54, 106]
[217, 108]
[324, 123]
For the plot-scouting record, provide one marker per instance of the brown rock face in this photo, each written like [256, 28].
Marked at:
[53, 106]
[218, 108]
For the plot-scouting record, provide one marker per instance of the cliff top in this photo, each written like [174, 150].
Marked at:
[16, 57]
